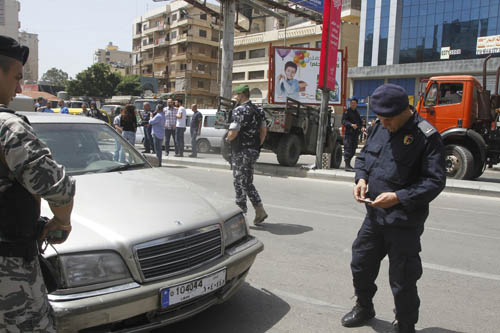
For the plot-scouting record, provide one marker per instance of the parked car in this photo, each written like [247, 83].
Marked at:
[147, 248]
[110, 109]
[210, 138]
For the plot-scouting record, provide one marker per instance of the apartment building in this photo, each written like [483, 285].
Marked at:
[178, 45]
[30, 69]
[9, 18]
[119, 61]
[251, 50]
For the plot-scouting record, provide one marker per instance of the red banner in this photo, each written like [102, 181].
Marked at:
[329, 44]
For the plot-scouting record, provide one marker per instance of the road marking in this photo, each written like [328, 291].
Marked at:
[447, 269]
[464, 210]
[462, 233]
[308, 211]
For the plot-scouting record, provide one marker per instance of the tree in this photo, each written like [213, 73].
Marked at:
[129, 85]
[97, 80]
[56, 77]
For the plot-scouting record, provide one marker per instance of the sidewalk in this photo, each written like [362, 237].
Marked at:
[215, 161]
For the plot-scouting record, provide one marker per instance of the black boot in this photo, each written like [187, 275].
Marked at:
[399, 327]
[348, 166]
[358, 316]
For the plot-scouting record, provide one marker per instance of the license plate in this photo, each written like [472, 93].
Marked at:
[192, 289]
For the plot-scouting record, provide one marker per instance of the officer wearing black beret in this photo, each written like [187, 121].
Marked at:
[399, 171]
[352, 125]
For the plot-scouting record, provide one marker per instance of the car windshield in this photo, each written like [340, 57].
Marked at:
[89, 148]
[75, 105]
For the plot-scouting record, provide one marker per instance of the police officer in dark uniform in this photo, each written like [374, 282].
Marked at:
[352, 125]
[247, 133]
[399, 171]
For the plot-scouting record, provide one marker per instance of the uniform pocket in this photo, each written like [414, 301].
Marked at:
[372, 152]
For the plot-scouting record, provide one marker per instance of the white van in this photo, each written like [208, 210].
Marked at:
[210, 137]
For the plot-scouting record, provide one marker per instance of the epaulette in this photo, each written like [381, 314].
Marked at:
[426, 128]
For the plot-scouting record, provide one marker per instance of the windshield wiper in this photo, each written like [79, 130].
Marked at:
[122, 167]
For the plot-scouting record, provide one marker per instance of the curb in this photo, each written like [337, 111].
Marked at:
[452, 185]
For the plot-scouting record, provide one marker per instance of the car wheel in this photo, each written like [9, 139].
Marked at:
[203, 146]
[459, 162]
[289, 150]
[336, 158]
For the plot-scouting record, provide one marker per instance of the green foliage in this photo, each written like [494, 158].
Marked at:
[56, 77]
[129, 85]
[97, 80]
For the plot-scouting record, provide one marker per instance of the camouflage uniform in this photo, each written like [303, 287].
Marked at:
[24, 306]
[247, 120]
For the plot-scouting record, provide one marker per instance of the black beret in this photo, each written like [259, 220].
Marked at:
[354, 99]
[9, 47]
[389, 100]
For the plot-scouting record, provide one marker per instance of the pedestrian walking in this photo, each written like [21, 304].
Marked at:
[352, 125]
[148, 137]
[195, 129]
[27, 172]
[117, 126]
[158, 131]
[170, 122]
[246, 134]
[180, 128]
[403, 166]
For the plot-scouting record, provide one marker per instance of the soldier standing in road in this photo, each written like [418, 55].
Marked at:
[247, 133]
[399, 171]
[352, 124]
[27, 172]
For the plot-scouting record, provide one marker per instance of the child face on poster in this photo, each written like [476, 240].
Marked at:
[290, 72]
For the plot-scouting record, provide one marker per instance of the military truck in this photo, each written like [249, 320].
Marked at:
[292, 131]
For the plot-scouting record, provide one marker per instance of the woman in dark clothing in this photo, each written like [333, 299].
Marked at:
[128, 123]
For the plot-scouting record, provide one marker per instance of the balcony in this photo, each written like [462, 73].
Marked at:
[351, 11]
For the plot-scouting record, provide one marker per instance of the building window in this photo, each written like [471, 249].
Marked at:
[256, 75]
[370, 18]
[203, 16]
[201, 68]
[300, 45]
[240, 76]
[183, 67]
[318, 44]
[384, 32]
[259, 53]
[256, 94]
[174, 17]
[173, 35]
[242, 55]
[201, 84]
[203, 33]
[214, 53]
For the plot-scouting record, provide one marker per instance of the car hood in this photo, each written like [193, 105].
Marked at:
[117, 210]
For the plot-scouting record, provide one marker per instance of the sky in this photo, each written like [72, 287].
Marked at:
[70, 31]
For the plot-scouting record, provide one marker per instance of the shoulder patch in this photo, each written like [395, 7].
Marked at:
[426, 128]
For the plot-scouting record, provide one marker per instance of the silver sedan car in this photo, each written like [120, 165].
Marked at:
[147, 248]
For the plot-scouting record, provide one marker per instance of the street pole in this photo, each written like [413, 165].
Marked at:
[228, 48]
[325, 96]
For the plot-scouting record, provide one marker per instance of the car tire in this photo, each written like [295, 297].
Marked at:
[459, 162]
[203, 146]
[336, 158]
[289, 149]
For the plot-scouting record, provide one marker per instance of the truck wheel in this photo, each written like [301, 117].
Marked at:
[288, 152]
[478, 168]
[203, 146]
[336, 158]
[459, 162]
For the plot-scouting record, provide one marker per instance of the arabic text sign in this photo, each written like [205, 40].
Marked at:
[488, 45]
[316, 5]
[330, 43]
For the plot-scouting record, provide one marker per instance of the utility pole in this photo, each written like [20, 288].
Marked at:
[229, 10]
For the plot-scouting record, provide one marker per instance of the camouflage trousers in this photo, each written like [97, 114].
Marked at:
[243, 163]
[24, 306]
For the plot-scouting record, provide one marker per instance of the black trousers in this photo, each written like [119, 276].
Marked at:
[350, 145]
[402, 245]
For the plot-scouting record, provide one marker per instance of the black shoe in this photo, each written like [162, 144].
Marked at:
[399, 327]
[192, 155]
[358, 316]
[349, 168]
[177, 155]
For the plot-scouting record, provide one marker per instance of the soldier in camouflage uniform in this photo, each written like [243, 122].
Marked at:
[247, 132]
[28, 170]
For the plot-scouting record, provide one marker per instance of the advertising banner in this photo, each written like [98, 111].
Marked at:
[488, 45]
[296, 73]
[316, 5]
[330, 43]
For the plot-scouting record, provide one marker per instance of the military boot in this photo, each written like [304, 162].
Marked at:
[260, 214]
[358, 316]
[399, 327]
[348, 166]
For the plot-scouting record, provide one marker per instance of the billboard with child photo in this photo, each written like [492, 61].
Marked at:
[295, 75]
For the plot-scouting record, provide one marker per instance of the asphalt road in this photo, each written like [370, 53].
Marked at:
[302, 280]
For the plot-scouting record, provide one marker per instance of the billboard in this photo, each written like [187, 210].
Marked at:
[295, 73]
[488, 45]
[316, 5]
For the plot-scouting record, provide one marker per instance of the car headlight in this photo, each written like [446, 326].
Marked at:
[92, 268]
[236, 229]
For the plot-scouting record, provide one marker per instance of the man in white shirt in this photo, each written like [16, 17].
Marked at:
[180, 128]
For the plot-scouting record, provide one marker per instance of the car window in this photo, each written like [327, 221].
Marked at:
[88, 148]
[210, 121]
[450, 93]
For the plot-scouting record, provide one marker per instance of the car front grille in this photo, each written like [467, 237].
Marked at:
[179, 253]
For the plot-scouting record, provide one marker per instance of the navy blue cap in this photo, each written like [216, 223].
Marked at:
[354, 99]
[389, 100]
[9, 47]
